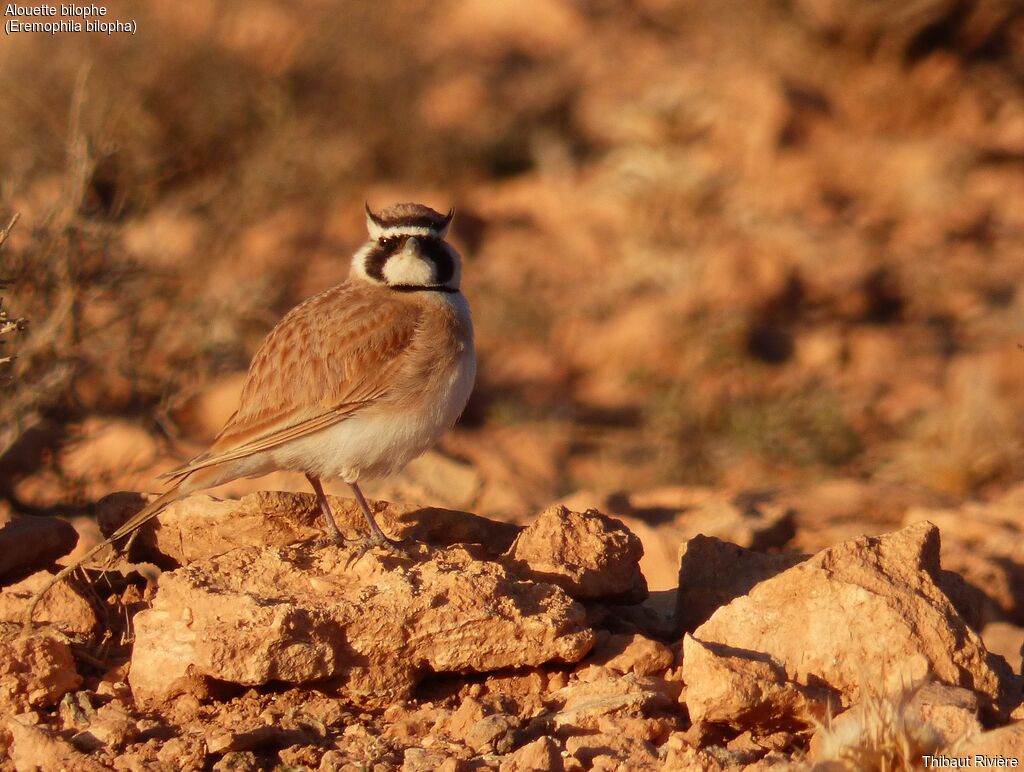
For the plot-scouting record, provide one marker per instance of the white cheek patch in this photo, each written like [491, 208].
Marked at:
[406, 269]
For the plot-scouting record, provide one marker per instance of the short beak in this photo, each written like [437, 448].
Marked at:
[412, 246]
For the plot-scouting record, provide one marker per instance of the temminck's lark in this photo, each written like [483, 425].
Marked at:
[354, 382]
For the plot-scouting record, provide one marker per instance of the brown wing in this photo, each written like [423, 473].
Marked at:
[326, 359]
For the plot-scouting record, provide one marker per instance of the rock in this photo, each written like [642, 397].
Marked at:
[750, 519]
[432, 477]
[660, 562]
[29, 544]
[222, 741]
[682, 755]
[911, 722]
[422, 760]
[76, 710]
[524, 689]
[89, 535]
[462, 720]
[542, 753]
[633, 654]
[201, 526]
[34, 748]
[589, 555]
[371, 626]
[882, 594]
[985, 544]
[776, 760]
[968, 601]
[492, 734]
[412, 728]
[664, 518]
[725, 687]
[1007, 641]
[599, 693]
[641, 729]
[237, 761]
[184, 752]
[713, 572]
[107, 449]
[1005, 742]
[36, 669]
[111, 727]
[952, 712]
[64, 606]
[833, 511]
[611, 751]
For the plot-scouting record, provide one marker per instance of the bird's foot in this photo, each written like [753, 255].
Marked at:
[383, 543]
[329, 541]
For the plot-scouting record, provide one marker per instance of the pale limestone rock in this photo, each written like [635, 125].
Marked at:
[867, 611]
[370, 626]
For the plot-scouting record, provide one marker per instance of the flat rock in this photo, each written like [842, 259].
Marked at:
[369, 626]
[869, 610]
[713, 572]
[36, 669]
[31, 543]
[589, 555]
[201, 526]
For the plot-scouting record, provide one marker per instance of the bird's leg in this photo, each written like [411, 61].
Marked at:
[377, 537]
[325, 508]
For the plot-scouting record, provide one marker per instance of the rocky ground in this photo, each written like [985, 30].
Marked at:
[745, 278]
[237, 639]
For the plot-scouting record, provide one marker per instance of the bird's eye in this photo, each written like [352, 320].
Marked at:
[388, 242]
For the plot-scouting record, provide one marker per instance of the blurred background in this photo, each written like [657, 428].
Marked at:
[767, 244]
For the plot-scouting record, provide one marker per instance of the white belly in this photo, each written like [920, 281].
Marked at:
[375, 443]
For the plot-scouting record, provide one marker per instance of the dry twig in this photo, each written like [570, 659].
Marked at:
[7, 324]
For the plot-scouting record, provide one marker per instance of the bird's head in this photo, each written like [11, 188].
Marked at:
[407, 251]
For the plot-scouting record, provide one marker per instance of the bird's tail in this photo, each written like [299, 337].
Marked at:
[130, 526]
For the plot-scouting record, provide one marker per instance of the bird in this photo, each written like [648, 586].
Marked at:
[353, 383]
